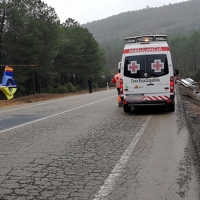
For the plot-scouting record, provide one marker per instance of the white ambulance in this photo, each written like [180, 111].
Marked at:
[147, 75]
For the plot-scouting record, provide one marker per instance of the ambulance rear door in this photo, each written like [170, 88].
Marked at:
[133, 73]
[157, 73]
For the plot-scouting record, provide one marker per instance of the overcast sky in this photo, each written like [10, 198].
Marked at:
[85, 11]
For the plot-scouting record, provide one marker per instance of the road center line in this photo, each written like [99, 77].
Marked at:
[44, 118]
[109, 183]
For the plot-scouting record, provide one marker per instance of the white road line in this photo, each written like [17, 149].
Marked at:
[37, 104]
[109, 183]
[44, 118]
[48, 102]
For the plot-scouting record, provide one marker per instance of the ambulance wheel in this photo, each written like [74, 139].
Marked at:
[127, 108]
[171, 107]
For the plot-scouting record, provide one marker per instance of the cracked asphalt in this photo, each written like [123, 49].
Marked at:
[85, 147]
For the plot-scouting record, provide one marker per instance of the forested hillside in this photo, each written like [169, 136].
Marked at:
[178, 21]
[173, 18]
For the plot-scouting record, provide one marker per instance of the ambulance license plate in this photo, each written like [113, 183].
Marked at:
[135, 97]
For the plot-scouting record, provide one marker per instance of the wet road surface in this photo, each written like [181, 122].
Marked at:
[85, 147]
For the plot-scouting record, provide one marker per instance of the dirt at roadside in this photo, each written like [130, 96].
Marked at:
[191, 104]
[32, 98]
[192, 110]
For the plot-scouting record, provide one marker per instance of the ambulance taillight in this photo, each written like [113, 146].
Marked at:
[171, 84]
[121, 86]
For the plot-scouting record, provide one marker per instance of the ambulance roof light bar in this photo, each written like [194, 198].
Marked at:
[146, 38]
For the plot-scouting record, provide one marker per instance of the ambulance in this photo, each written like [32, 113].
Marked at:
[147, 74]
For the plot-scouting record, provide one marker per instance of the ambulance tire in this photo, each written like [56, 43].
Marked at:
[171, 107]
[127, 109]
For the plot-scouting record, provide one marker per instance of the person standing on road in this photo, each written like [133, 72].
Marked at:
[116, 80]
[90, 84]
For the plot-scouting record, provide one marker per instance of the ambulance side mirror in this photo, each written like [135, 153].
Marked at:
[176, 72]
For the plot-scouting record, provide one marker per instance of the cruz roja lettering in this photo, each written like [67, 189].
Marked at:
[145, 80]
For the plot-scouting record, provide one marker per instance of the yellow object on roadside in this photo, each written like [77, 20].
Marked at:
[9, 92]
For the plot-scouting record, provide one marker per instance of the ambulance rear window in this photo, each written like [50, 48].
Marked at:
[154, 65]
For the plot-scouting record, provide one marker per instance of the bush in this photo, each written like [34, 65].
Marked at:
[95, 85]
[62, 89]
[79, 88]
[196, 75]
[70, 87]
[50, 89]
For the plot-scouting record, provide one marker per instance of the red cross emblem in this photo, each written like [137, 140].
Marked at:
[157, 65]
[133, 67]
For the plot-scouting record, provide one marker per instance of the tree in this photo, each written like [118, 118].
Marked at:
[30, 35]
[79, 56]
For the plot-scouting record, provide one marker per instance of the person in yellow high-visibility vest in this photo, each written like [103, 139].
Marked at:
[116, 80]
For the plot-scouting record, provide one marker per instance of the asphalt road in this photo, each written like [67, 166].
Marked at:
[85, 147]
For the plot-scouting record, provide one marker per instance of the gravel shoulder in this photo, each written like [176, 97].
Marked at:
[192, 111]
[191, 105]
